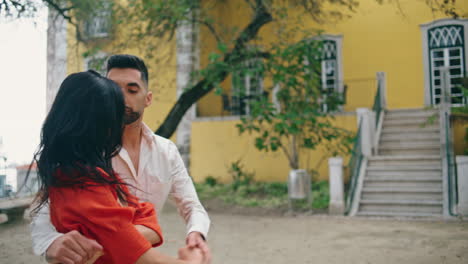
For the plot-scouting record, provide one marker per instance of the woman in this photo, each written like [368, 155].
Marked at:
[80, 135]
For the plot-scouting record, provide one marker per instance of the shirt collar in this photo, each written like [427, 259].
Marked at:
[147, 134]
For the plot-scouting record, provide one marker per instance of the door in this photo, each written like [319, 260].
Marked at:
[446, 49]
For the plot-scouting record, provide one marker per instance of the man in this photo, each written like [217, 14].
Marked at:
[147, 161]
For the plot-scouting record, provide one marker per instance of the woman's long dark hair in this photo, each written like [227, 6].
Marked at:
[81, 133]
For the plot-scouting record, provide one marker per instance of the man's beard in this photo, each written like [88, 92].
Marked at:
[130, 116]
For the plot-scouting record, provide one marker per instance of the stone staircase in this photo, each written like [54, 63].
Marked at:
[405, 178]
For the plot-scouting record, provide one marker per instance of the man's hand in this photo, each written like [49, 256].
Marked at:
[72, 248]
[195, 240]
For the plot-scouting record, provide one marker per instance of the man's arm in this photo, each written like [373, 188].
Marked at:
[43, 233]
[189, 206]
[69, 248]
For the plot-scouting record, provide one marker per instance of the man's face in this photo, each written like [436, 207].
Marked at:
[137, 96]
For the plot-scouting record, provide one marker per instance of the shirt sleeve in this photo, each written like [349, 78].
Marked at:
[185, 196]
[146, 215]
[95, 212]
[43, 233]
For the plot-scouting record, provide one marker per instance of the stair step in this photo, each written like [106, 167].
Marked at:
[410, 145]
[410, 207]
[390, 115]
[408, 151]
[399, 214]
[403, 179]
[401, 190]
[413, 160]
[413, 148]
[369, 183]
[407, 174]
[415, 137]
[402, 195]
[403, 202]
[411, 122]
[405, 168]
[409, 111]
[404, 157]
[400, 131]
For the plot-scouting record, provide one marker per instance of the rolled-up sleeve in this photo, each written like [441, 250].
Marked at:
[185, 196]
[95, 212]
[43, 233]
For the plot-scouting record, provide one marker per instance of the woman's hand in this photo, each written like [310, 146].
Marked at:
[95, 257]
[193, 255]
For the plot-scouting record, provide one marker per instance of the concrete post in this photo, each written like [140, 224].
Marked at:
[335, 168]
[187, 62]
[365, 118]
[56, 54]
[462, 173]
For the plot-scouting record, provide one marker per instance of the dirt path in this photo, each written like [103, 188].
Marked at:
[237, 239]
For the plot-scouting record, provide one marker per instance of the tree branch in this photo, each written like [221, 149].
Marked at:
[210, 28]
[61, 11]
[204, 86]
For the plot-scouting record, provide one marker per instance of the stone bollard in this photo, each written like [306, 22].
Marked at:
[367, 120]
[462, 173]
[335, 167]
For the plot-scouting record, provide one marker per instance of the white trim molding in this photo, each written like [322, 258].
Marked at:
[425, 49]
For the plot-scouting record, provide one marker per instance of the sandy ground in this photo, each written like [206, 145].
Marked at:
[240, 239]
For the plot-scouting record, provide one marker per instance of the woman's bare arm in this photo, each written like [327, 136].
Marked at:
[149, 234]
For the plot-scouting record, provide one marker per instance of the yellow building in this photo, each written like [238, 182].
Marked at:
[407, 42]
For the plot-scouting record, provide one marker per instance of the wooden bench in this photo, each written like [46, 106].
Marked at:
[14, 207]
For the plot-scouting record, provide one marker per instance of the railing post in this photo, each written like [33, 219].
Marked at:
[335, 168]
[382, 84]
[365, 117]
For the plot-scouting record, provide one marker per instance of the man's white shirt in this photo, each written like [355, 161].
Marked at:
[161, 173]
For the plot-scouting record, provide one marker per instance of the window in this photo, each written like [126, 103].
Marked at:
[99, 25]
[331, 72]
[247, 85]
[445, 46]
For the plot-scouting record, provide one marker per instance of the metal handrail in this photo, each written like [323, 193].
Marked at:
[452, 178]
[377, 107]
[354, 166]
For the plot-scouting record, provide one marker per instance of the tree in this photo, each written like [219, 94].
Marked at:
[301, 116]
[160, 18]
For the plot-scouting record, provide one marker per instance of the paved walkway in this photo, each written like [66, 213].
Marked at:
[236, 239]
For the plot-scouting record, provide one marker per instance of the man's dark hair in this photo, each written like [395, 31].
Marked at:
[128, 61]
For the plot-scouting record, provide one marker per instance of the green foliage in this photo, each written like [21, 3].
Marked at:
[263, 194]
[301, 120]
[239, 175]
[211, 181]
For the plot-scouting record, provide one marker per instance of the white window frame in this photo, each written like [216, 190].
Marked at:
[338, 39]
[247, 82]
[426, 60]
